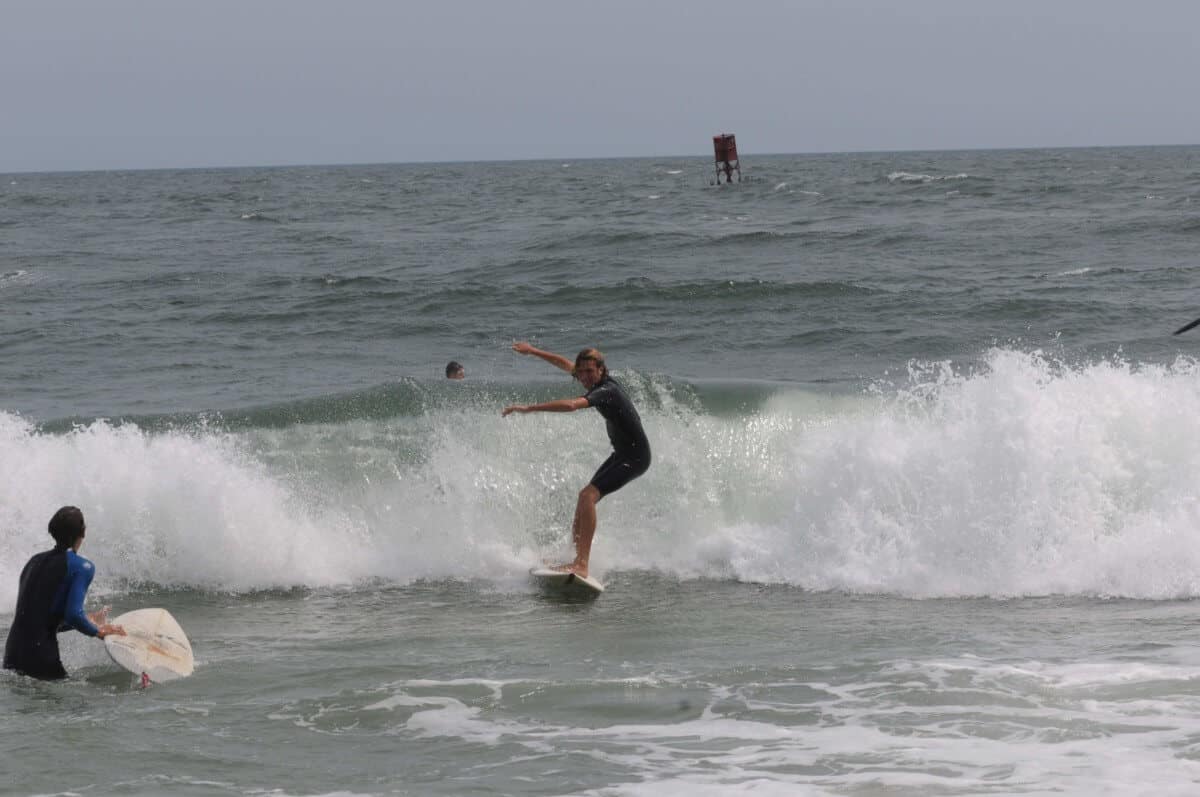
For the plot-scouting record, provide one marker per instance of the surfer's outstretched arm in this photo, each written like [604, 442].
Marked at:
[557, 360]
[559, 405]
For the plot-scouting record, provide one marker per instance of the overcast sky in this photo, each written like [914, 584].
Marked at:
[94, 84]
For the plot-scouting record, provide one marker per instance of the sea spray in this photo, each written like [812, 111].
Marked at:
[1023, 476]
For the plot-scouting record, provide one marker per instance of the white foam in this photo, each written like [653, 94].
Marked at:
[911, 177]
[173, 508]
[971, 732]
[19, 277]
[1027, 477]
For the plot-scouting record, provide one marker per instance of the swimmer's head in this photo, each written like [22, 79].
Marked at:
[455, 370]
[67, 526]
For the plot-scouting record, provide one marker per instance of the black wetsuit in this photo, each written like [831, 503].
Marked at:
[631, 449]
[50, 600]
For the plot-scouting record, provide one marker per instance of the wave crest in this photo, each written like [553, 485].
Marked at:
[1025, 476]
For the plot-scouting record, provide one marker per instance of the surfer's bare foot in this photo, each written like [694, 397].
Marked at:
[579, 570]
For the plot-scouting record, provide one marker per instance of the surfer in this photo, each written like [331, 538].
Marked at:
[50, 599]
[455, 370]
[631, 449]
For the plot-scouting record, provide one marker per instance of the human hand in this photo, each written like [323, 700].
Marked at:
[514, 408]
[523, 348]
[107, 629]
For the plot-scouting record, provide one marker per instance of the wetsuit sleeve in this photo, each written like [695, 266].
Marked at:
[600, 396]
[79, 577]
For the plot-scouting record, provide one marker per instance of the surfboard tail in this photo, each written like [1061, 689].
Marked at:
[559, 580]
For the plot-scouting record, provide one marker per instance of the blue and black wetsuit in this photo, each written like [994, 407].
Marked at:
[631, 448]
[50, 600]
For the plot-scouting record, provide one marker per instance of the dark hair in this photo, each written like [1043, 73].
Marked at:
[595, 356]
[67, 526]
[453, 367]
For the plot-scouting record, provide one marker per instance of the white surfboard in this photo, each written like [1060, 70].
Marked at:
[154, 646]
[556, 580]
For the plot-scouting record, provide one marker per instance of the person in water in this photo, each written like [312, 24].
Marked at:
[50, 599]
[631, 449]
[455, 370]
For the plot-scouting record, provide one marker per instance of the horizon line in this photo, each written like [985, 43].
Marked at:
[459, 161]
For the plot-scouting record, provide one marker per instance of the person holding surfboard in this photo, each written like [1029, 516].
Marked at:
[50, 599]
[631, 448]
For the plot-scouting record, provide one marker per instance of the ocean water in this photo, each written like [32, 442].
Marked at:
[922, 518]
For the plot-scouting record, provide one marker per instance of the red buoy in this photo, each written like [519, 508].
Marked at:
[726, 157]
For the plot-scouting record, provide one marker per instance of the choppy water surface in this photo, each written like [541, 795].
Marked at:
[921, 519]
